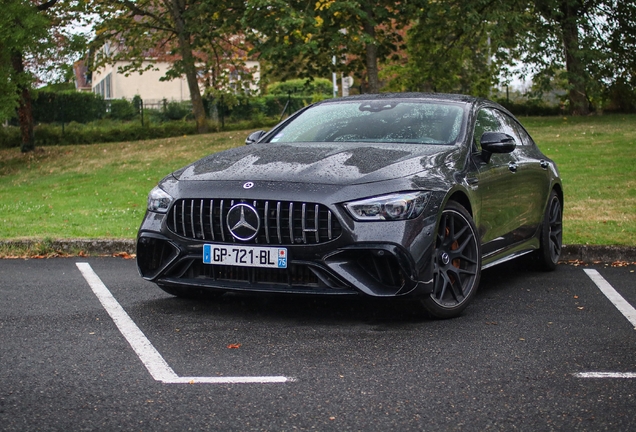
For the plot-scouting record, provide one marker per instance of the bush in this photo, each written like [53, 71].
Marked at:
[305, 87]
[177, 110]
[621, 97]
[76, 133]
[530, 108]
[245, 113]
[274, 104]
[67, 106]
[121, 109]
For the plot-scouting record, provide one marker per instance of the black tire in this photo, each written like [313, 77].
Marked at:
[456, 264]
[551, 241]
[191, 293]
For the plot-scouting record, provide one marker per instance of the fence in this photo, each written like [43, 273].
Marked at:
[66, 107]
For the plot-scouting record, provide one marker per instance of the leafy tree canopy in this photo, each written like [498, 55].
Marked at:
[300, 38]
[35, 42]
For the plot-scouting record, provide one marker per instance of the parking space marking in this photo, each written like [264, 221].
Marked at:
[621, 304]
[624, 307]
[605, 375]
[159, 369]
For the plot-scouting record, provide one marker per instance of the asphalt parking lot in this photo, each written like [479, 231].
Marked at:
[94, 347]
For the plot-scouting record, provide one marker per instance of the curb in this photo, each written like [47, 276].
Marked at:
[606, 254]
[582, 253]
[74, 246]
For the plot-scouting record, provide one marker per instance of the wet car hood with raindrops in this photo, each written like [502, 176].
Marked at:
[318, 163]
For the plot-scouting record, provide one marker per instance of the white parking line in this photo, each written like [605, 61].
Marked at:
[624, 307]
[621, 304]
[605, 375]
[149, 356]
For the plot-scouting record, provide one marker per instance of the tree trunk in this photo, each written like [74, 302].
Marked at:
[190, 68]
[577, 94]
[25, 112]
[371, 55]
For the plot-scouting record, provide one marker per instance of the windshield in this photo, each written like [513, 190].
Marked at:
[383, 121]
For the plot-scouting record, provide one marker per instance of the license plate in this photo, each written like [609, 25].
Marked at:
[245, 256]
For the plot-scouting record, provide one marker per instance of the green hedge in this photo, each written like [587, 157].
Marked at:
[117, 131]
[530, 108]
[121, 109]
[67, 106]
[82, 107]
[75, 133]
[257, 108]
[304, 87]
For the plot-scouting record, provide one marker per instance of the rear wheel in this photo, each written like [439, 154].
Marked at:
[547, 257]
[456, 264]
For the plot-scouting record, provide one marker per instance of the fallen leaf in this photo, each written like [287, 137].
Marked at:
[124, 255]
[234, 346]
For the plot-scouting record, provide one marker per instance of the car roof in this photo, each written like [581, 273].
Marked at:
[450, 97]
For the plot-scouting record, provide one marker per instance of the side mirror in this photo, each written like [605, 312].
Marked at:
[254, 137]
[496, 142]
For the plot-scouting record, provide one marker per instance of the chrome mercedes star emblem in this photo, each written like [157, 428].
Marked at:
[243, 222]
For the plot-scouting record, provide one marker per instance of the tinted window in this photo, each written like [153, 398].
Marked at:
[492, 120]
[525, 138]
[386, 121]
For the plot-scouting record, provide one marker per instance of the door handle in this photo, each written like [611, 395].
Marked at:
[512, 166]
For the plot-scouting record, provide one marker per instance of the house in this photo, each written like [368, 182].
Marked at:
[110, 83]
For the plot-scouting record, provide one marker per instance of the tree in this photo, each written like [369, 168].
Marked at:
[619, 70]
[470, 46]
[456, 46]
[300, 38]
[183, 32]
[33, 41]
[589, 43]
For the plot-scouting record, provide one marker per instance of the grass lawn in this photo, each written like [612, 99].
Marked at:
[99, 190]
[597, 161]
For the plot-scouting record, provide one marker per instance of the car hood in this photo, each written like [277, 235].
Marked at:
[320, 163]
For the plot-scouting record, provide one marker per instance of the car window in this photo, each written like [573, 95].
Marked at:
[487, 121]
[385, 121]
[510, 127]
[492, 120]
[525, 138]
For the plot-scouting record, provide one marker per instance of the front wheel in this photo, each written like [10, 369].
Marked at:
[456, 264]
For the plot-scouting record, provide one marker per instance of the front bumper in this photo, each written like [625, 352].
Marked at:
[365, 259]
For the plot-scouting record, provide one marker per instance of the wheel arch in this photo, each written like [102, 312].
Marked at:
[460, 197]
[559, 190]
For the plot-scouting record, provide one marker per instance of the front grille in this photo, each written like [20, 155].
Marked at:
[296, 278]
[294, 275]
[282, 222]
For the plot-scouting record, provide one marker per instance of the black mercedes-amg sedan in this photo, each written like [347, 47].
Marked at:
[381, 195]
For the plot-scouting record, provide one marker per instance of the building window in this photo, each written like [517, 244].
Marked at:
[103, 88]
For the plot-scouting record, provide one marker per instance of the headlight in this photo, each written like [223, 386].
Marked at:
[397, 206]
[158, 200]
